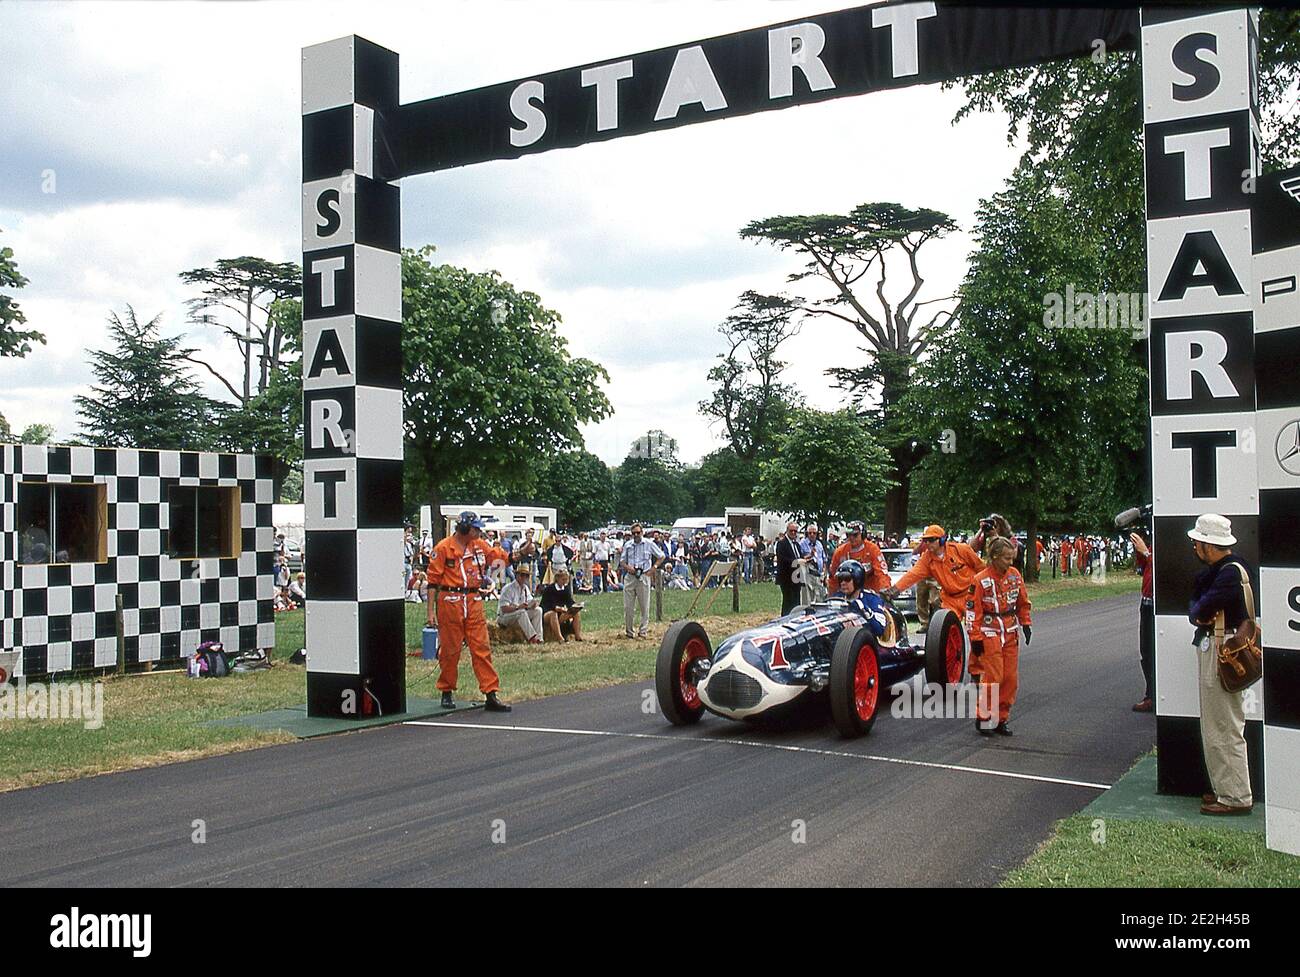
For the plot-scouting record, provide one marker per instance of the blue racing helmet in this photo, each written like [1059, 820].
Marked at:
[852, 570]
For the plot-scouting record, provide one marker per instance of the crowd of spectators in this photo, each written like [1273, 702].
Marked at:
[591, 559]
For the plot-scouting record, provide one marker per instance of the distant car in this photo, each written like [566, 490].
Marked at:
[821, 650]
[898, 562]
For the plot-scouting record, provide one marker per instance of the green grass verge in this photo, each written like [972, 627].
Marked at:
[156, 718]
[1155, 854]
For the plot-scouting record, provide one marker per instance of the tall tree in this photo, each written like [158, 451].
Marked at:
[580, 486]
[749, 400]
[249, 288]
[13, 341]
[146, 396]
[720, 480]
[491, 390]
[270, 422]
[849, 251]
[649, 490]
[1042, 411]
[827, 468]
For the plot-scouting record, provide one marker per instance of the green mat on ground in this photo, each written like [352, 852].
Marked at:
[296, 721]
[1134, 796]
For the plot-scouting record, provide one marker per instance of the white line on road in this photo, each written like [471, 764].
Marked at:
[694, 740]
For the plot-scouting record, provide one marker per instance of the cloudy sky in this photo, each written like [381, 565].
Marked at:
[141, 140]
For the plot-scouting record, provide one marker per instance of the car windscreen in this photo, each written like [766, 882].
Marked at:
[900, 561]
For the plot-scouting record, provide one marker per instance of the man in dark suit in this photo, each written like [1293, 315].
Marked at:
[787, 551]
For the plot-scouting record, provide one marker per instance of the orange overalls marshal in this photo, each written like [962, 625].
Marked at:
[458, 572]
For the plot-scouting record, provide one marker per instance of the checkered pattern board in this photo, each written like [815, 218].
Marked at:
[63, 617]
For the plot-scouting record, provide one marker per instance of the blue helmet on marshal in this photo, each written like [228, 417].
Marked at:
[468, 520]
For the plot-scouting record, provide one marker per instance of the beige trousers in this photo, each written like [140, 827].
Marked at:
[636, 597]
[927, 599]
[529, 621]
[1223, 733]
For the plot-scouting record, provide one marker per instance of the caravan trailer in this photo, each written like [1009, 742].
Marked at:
[690, 525]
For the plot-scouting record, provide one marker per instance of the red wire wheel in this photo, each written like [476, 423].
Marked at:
[696, 648]
[855, 682]
[679, 698]
[945, 648]
[866, 684]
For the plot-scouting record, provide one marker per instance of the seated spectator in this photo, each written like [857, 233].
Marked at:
[561, 617]
[679, 577]
[417, 588]
[519, 607]
[298, 589]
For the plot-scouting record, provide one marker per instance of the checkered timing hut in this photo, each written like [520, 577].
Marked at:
[61, 616]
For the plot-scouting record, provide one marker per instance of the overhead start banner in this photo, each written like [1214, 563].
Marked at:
[832, 55]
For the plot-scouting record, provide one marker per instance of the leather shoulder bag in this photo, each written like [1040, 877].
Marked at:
[1240, 657]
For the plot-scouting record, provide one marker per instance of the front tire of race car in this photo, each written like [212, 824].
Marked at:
[945, 648]
[679, 700]
[854, 682]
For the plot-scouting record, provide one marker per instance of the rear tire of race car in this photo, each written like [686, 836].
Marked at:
[678, 699]
[855, 682]
[945, 648]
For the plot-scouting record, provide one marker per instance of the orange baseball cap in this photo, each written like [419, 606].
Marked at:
[933, 531]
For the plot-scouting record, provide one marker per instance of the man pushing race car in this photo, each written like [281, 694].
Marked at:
[952, 565]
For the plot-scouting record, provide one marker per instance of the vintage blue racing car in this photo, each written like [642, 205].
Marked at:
[823, 649]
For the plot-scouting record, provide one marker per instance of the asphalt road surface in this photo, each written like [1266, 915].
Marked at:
[629, 801]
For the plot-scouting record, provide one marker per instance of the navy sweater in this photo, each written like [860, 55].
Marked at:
[1218, 588]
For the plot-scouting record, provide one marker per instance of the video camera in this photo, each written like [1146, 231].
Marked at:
[1136, 518]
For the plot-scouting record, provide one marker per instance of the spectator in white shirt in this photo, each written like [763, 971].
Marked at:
[519, 607]
[600, 563]
[747, 545]
[636, 560]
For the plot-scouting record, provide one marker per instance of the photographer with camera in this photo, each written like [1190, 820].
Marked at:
[1145, 561]
[636, 560]
[993, 526]
[1139, 521]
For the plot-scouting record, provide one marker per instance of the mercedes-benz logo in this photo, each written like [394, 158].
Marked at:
[1287, 448]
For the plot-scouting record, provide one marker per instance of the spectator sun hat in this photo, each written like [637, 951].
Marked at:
[1213, 529]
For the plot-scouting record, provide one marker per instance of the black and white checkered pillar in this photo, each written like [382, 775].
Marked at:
[1276, 232]
[1198, 82]
[352, 380]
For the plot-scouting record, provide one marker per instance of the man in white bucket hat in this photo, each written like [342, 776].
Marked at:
[1218, 589]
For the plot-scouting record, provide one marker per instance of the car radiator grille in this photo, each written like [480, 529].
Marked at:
[730, 689]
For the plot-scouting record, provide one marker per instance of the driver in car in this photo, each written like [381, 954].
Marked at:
[850, 580]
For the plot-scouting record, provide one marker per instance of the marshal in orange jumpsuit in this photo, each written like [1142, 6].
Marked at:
[996, 610]
[954, 569]
[1080, 553]
[868, 554]
[459, 568]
